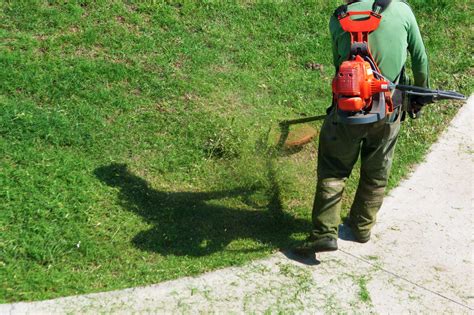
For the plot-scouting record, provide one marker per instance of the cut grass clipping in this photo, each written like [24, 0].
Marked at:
[134, 137]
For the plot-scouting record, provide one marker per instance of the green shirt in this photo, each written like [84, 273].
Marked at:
[397, 33]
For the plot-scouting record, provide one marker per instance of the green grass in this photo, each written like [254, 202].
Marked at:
[133, 136]
[364, 294]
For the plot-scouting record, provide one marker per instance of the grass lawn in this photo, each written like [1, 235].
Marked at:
[134, 136]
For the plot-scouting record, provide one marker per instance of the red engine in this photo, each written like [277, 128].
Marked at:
[355, 84]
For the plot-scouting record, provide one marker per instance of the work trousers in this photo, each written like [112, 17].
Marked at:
[339, 148]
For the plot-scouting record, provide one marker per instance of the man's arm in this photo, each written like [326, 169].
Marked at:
[419, 59]
[333, 23]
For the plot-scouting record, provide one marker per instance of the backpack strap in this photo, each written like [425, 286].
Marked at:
[341, 10]
[378, 7]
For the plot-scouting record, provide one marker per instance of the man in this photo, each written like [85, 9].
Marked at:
[340, 144]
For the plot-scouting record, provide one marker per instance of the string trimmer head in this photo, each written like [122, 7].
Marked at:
[299, 135]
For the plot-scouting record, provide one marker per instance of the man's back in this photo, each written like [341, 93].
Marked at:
[397, 33]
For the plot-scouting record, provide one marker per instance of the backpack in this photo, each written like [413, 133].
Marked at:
[360, 92]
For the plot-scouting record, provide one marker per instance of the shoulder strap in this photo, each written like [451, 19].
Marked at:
[378, 7]
[340, 10]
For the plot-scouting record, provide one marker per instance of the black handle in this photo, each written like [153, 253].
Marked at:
[430, 95]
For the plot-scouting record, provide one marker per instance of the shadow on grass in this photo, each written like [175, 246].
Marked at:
[195, 223]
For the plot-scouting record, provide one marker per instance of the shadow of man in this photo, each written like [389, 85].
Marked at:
[197, 223]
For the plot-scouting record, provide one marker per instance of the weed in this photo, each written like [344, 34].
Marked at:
[364, 294]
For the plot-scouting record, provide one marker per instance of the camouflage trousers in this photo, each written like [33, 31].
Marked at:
[339, 148]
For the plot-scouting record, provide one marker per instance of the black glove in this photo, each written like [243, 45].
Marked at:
[416, 104]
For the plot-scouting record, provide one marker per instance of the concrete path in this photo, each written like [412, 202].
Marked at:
[420, 258]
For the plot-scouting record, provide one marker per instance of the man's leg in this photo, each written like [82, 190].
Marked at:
[339, 146]
[327, 207]
[376, 160]
[337, 155]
